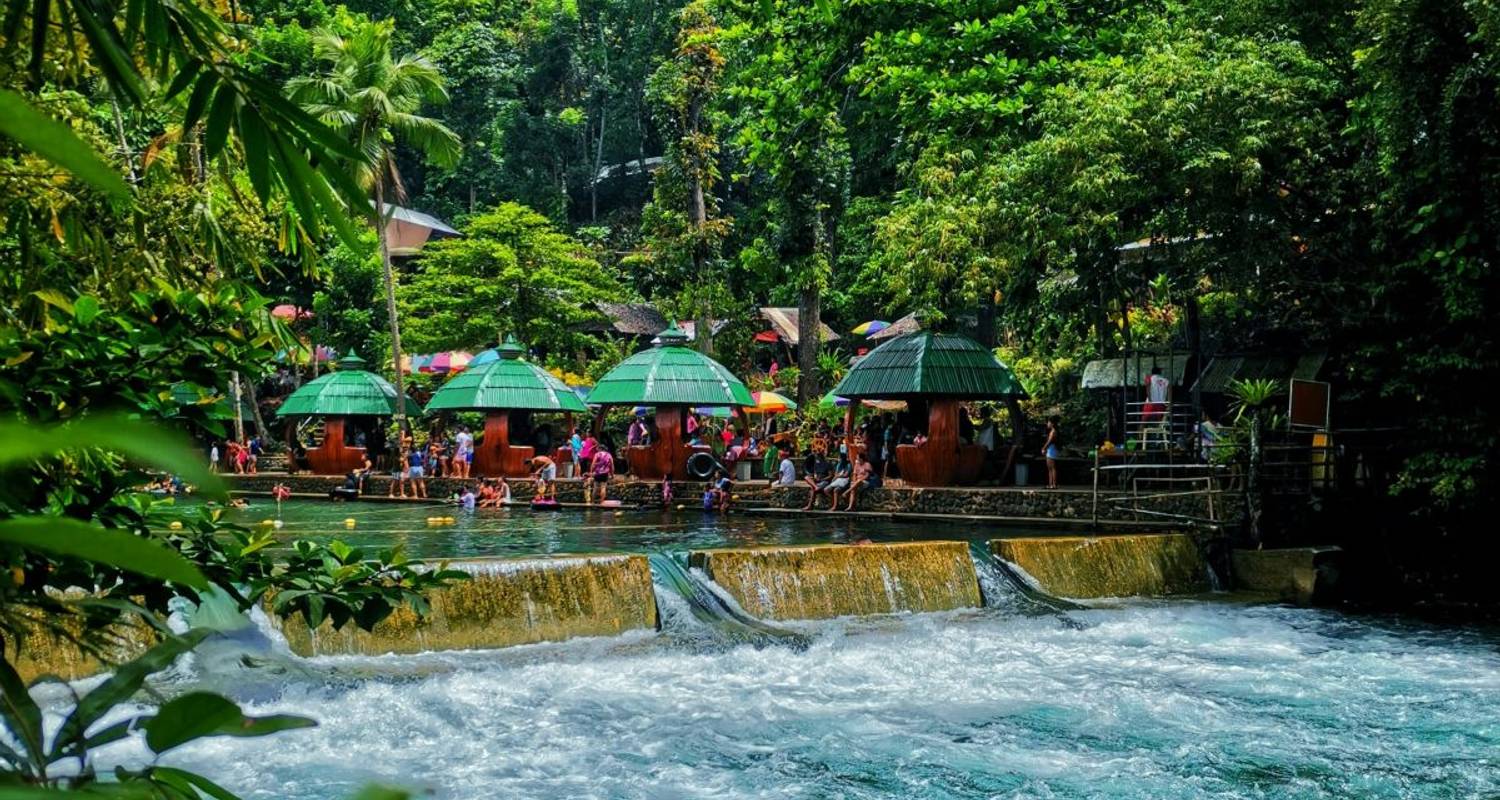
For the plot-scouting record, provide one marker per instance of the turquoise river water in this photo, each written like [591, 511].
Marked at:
[1158, 699]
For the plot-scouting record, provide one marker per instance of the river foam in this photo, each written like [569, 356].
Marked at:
[1169, 700]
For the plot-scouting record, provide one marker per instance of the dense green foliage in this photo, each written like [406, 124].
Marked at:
[1289, 177]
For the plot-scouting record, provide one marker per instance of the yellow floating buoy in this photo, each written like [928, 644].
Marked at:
[434, 520]
[349, 523]
[449, 521]
[267, 522]
[176, 526]
[277, 524]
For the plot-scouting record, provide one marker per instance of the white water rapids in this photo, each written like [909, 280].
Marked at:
[1161, 700]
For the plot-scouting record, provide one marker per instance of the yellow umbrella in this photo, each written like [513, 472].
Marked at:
[771, 403]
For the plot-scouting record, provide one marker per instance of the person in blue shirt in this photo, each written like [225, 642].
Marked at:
[414, 462]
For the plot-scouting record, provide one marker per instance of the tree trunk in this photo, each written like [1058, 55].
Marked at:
[1253, 499]
[260, 422]
[390, 308]
[1194, 324]
[239, 399]
[809, 340]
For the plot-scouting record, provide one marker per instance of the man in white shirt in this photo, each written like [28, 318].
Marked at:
[786, 471]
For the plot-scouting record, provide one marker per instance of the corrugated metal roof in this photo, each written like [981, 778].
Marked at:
[348, 392]
[931, 365]
[1226, 368]
[413, 217]
[785, 322]
[635, 319]
[1113, 373]
[901, 327]
[508, 383]
[670, 374]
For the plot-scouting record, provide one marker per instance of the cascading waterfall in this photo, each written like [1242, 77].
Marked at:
[694, 610]
[1003, 589]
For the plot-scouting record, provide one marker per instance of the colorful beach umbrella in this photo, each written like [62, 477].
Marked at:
[873, 326]
[721, 412]
[485, 357]
[444, 362]
[415, 363]
[771, 403]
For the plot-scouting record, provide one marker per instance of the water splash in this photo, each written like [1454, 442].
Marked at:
[696, 611]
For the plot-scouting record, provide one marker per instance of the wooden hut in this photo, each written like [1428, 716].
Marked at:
[503, 388]
[673, 379]
[940, 372]
[348, 393]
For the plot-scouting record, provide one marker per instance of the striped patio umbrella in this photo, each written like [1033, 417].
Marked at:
[771, 403]
[873, 326]
[454, 361]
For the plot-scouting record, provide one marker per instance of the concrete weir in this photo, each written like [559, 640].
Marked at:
[506, 602]
[824, 581]
[1109, 566]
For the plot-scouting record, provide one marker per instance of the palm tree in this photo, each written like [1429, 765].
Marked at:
[375, 99]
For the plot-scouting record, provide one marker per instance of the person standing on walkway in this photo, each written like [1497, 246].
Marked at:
[416, 469]
[464, 454]
[1050, 451]
[544, 470]
[601, 469]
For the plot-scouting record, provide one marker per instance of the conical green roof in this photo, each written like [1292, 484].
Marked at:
[670, 374]
[508, 383]
[347, 392]
[927, 364]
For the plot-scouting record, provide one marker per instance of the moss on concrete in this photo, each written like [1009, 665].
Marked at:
[1299, 575]
[506, 602]
[1109, 566]
[826, 581]
[41, 652]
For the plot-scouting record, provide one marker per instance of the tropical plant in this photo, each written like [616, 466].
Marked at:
[134, 47]
[1251, 402]
[368, 95]
[47, 558]
[512, 272]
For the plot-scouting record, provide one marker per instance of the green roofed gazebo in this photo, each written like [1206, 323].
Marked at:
[673, 378]
[348, 392]
[939, 371]
[502, 387]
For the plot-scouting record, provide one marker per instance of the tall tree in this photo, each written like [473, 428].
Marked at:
[684, 231]
[375, 99]
[792, 60]
[513, 272]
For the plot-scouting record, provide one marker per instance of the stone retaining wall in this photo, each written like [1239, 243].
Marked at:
[1051, 504]
[824, 581]
[1129, 565]
[506, 602]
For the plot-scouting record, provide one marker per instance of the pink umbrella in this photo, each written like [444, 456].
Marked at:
[290, 313]
[447, 362]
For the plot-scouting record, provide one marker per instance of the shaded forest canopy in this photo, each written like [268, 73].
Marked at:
[1305, 175]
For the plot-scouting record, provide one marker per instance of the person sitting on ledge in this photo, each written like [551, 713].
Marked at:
[864, 478]
[786, 471]
[835, 487]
